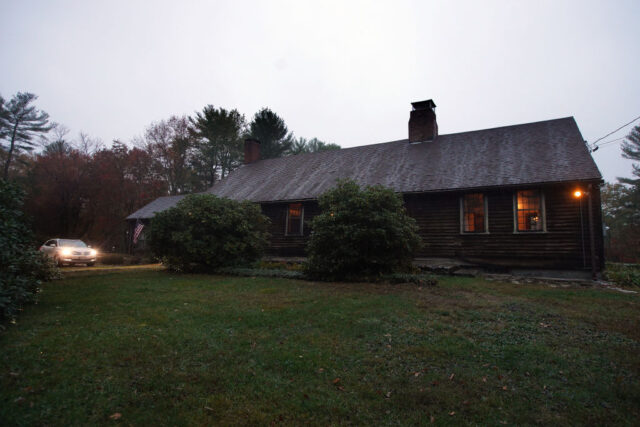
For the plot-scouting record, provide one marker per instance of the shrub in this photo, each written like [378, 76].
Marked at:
[361, 233]
[207, 232]
[416, 279]
[22, 268]
[112, 259]
[261, 272]
[281, 265]
[627, 275]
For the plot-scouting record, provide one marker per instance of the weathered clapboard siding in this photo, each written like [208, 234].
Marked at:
[564, 244]
[561, 246]
[282, 245]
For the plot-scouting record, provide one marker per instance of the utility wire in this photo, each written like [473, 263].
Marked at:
[593, 144]
[612, 141]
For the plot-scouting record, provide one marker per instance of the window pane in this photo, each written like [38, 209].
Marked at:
[294, 219]
[529, 210]
[473, 213]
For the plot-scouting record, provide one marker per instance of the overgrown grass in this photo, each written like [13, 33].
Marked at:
[627, 275]
[193, 349]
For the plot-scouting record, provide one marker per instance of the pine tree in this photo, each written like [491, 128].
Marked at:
[631, 150]
[218, 149]
[19, 123]
[268, 128]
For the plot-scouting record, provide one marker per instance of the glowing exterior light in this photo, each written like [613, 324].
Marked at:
[577, 194]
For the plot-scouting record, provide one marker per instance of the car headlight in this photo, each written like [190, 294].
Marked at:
[93, 252]
[65, 252]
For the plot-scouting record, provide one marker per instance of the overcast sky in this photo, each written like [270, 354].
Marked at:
[343, 71]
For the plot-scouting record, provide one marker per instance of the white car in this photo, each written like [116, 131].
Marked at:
[66, 251]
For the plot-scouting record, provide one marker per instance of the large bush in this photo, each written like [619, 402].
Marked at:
[207, 232]
[361, 233]
[22, 267]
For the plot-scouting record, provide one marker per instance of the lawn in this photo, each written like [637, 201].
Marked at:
[149, 347]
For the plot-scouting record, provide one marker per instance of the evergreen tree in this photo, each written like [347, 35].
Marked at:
[218, 149]
[268, 128]
[19, 123]
[314, 145]
[631, 150]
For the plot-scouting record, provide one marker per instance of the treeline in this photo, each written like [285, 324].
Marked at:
[81, 188]
[621, 208]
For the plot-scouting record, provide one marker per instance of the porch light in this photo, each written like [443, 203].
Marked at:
[577, 194]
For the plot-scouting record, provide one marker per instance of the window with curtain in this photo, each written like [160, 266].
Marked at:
[529, 211]
[474, 213]
[294, 219]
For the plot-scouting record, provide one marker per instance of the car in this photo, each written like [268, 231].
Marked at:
[68, 251]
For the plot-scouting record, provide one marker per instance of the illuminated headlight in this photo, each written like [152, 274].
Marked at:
[93, 252]
[65, 252]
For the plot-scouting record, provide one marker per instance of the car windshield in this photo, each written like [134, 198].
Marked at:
[73, 243]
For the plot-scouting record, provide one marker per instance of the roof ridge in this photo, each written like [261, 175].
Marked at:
[512, 126]
[405, 140]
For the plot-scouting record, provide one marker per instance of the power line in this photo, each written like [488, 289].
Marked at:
[612, 141]
[593, 144]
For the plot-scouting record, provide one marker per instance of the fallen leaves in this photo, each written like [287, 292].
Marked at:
[336, 382]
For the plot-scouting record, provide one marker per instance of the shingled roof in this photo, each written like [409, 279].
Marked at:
[533, 153]
[158, 205]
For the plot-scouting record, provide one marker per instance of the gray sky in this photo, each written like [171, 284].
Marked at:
[343, 71]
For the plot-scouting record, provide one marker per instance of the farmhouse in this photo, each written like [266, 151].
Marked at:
[505, 196]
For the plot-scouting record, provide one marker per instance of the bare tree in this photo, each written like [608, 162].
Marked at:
[170, 142]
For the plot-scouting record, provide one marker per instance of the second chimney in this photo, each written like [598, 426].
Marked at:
[251, 150]
[422, 121]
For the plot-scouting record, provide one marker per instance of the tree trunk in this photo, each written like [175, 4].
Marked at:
[10, 153]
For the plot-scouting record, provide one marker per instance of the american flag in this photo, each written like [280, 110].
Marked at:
[137, 231]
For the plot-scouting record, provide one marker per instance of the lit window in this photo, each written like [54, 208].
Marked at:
[529, 211]
[474, 213]
[295, 216]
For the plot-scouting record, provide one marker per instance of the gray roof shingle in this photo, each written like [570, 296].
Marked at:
[158, 205]
[532, 153]
[548, 151]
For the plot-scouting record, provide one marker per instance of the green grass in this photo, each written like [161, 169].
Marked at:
[164, 349]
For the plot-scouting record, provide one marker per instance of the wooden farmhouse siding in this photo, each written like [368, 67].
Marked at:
[288, 245]
[500, 196]
[564, 244]
[560, 246]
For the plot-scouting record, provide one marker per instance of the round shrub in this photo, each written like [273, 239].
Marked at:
[207, 232]
[22, 268]
[361, 233]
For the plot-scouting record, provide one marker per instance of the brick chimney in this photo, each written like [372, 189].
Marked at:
[251, 150]
[422, 121]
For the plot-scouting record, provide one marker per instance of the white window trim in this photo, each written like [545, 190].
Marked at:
[543, 207]
[287, 232]
[486, 215]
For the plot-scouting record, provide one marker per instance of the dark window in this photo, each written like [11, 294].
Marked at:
[529, 211]
[474, 213]
[295, 216]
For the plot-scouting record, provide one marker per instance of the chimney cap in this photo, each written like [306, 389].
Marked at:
[424, 105]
